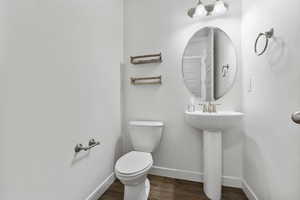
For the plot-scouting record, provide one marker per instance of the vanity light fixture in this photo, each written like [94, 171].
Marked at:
[201, 10]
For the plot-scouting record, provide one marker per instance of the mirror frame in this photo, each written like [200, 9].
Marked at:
[236, 61]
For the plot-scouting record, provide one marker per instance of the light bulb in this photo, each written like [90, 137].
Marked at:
[220, 7]
[200, 10]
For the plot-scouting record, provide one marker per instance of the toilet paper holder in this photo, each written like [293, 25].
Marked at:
[80, 147]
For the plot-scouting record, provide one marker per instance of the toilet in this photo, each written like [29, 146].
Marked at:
[132, 168]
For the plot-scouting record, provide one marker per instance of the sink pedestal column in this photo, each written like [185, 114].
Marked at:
[212, 164]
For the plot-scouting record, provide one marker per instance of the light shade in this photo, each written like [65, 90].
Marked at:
[198, 11]
[220, 7]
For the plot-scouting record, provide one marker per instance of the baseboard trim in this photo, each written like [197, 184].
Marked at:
[248, 191]
[193, 176]
[229, 181]
[176, 173]
[232, 181]
[99, 191]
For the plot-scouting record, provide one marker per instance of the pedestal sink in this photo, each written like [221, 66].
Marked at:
[212, 125]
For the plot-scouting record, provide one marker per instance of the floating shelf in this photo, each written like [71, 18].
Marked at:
[146, 80]
[146, 59]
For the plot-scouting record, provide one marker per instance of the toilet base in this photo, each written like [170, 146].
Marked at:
[137, 192]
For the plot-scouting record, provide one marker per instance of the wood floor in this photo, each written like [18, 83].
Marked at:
[173, 189]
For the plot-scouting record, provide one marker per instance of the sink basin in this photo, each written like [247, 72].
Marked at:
[212, 125]
[218, 121]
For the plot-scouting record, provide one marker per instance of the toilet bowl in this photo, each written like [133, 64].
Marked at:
[132, 168]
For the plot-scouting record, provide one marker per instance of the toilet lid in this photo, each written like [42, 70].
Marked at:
[134, 162]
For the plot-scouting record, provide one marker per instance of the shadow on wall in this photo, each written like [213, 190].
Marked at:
[79, 157]
[236, 137]
[276, 54]
[118, 149]
[257, 167]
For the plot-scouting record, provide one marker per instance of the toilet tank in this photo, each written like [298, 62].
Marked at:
[145, 136]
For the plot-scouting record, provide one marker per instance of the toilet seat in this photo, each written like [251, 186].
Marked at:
[133, 164]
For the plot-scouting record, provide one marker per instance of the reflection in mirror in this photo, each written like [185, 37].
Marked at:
[209, 64]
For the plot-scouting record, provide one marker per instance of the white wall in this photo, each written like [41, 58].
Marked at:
[272, 145]
[154, 26]
[59, 85]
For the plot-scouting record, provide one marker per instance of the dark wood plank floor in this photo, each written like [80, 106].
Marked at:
[173, 189]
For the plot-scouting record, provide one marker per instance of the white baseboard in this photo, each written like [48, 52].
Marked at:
[176, 173]
[98, 192]
[248, 191]
[232, 181]
[193, 176]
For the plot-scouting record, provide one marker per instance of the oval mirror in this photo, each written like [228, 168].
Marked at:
[209, 64]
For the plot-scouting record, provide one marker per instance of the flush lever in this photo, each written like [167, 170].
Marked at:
[296, 117]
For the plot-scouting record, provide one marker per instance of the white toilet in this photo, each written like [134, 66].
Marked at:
[132, 168]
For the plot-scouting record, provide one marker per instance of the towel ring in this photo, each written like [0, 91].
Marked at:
[267, 35]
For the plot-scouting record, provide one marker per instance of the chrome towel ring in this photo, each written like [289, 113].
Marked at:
[267, 35]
